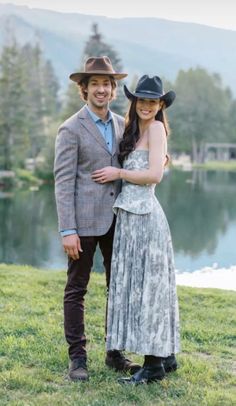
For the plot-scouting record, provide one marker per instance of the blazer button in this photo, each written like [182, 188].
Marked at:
[112, 194]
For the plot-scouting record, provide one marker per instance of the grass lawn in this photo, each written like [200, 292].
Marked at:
[218, 166]
[33, 352]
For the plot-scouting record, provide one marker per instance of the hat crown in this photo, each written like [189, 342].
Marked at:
[98, 64]
[149, 85]
[150, 88]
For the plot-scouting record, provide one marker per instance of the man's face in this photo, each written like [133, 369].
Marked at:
[99, 91]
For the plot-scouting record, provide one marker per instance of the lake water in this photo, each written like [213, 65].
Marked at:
[200, 207]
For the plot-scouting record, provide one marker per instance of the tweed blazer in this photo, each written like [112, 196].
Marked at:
[81, 149]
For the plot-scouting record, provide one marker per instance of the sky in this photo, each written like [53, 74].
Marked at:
[214, 13]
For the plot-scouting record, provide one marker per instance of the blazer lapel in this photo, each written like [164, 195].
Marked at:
[116, 130]
[90, 125]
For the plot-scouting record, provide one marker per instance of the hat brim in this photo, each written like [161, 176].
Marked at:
[78, 76]
[168, 97]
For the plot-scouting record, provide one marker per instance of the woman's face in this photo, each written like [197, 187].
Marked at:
[147, 109]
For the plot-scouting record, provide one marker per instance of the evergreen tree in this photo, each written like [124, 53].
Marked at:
[95, 46]
[50, 90]
[72, 102]
[200, 113]
[13, 137]
[28, 103]
[31, 57]
[232, 122]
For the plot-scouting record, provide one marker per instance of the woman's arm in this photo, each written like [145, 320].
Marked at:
[157, 156]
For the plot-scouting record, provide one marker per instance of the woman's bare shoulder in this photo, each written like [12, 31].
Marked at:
[156, 129]
[157, 125]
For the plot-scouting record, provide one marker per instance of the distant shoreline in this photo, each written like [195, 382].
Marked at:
[209, 277]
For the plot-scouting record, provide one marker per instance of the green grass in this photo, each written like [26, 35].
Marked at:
[27, 177]
[33, 352]
[218, 166]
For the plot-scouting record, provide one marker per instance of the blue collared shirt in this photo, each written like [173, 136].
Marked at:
[106, 130]
[104, 127]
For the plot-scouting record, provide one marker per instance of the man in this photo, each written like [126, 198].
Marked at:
[87, 141]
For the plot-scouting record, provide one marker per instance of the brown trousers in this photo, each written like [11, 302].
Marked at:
[78, 275]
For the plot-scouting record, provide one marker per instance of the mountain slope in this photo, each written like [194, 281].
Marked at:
[147, 45]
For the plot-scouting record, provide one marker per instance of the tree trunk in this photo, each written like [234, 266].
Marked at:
[201, 153]
[198, 152]
[194, 151]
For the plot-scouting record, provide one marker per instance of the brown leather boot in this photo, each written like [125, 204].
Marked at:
[78, 370]
[116, 360]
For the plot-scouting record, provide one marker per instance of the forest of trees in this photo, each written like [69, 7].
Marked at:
[28, 103]
[204, 111]
[31, 108]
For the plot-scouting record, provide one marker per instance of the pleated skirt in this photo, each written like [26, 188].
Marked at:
[143, 315]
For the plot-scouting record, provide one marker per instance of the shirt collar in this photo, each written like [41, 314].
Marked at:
[97, 119]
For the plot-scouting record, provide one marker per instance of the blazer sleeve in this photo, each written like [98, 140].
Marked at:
[65, 169]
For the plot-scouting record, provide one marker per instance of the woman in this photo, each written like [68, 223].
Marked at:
[143, 307]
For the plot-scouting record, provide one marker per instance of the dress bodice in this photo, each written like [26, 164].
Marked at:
[137, 199]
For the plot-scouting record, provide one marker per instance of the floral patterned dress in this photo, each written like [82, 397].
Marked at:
[143, 307]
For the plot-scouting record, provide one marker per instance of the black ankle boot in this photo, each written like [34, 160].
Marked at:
[152, 370]
[152, 361]
[170, 363]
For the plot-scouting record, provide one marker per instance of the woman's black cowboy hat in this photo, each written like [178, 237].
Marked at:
[151, 88]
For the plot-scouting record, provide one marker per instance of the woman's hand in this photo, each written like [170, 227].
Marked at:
[107, 174]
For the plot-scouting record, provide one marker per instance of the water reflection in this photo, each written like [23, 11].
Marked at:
[200, 207]
[200, 211]
[28, 229]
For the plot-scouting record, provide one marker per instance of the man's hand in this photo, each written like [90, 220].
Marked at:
[72, 246]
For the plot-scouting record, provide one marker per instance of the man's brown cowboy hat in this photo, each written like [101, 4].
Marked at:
[97, 66]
